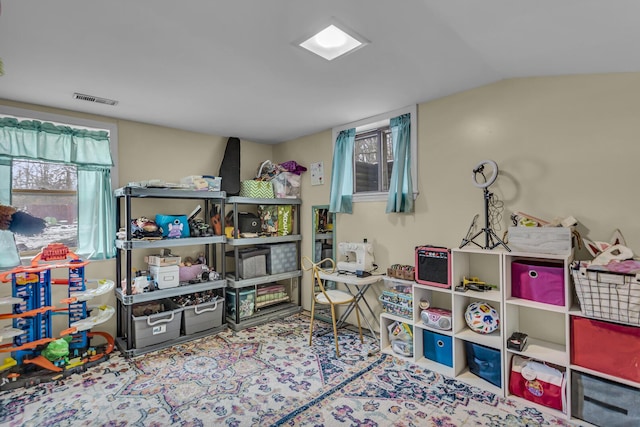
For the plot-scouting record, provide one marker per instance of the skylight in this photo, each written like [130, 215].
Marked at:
[333, 42]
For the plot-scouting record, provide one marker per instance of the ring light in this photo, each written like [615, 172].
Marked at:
[479, 169]
[491, 239]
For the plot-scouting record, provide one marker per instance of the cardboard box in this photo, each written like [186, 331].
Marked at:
[162, 260]
[165, 277]
[541, 240]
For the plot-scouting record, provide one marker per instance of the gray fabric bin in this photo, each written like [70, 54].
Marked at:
[281, 257]
[602, 402]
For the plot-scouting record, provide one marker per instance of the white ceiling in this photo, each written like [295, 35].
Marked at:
[230, 68]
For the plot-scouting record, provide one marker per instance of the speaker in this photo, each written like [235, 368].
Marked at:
[433, 266]
[437, 318]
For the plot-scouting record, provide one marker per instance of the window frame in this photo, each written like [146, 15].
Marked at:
[379, 121]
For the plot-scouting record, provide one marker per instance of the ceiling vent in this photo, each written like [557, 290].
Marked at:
[91, 98]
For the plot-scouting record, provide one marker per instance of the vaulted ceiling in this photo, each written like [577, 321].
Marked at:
[232, 68]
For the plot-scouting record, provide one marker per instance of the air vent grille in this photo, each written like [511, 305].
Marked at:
[91, 98]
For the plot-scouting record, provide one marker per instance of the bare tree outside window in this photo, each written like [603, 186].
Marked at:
[46, 190]
[373, 160]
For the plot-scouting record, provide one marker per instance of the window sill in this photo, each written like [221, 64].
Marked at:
[374, 197]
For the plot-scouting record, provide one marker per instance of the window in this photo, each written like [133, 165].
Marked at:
[373, 160]
[373, 154]
[59, 169]
[46, 190]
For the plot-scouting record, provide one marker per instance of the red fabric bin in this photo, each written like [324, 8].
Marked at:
[606, 347]
[538, 281]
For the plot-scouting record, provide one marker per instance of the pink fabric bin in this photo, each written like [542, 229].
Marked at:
[538, 281]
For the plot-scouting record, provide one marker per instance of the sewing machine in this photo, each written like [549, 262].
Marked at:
[359, 256]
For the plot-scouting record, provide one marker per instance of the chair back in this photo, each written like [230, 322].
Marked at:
[315, 268]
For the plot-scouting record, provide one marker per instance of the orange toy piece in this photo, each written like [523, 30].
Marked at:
[43, 363]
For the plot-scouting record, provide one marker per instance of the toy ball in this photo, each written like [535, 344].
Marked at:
[482, 318]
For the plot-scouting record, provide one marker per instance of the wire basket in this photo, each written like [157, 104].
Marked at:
[607, 295]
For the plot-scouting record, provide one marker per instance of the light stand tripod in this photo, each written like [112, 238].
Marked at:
[491, 239]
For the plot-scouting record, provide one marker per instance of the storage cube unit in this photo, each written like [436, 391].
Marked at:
[484, 362]
[165, 277]
[198, 318]
[538, 281]
[604, 403]
[252, 263]
[438, 347]
[606, 347]
[246, 302]
[281, 257]
[156, 328]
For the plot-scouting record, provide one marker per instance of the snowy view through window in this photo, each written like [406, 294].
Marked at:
[48, 191]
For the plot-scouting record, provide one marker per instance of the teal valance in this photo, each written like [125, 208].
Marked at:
[33, 139]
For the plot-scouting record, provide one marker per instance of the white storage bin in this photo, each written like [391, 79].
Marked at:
[165, 277]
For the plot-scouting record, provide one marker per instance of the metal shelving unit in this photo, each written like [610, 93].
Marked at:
[124, 295]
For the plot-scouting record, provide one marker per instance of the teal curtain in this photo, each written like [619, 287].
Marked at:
[5, 180]
[87, 149]
[342, 172]
[96, 209]
[400, 187]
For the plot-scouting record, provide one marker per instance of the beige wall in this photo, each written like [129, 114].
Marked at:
[154, 152]
[564, 145]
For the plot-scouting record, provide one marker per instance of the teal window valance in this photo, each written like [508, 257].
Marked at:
[33, 139]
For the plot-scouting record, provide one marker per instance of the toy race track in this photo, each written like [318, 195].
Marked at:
[37, 354]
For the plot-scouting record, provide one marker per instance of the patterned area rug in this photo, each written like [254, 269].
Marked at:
[266, 375]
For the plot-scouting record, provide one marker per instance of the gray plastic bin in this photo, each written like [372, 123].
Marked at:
[203, 316]
[159, 327]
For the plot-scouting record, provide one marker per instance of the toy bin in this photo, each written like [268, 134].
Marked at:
[438, 347]
[603, 403]
[197, 318]
[606, 347]
[281, 258]
[538, 281]
[160, 325]
[247, 300]
[397, 303]
[484, 362]
[252, 262]
[165, 277]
